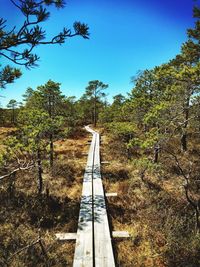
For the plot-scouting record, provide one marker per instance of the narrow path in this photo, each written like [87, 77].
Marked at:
[93, 243]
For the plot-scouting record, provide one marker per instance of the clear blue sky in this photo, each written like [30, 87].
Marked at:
[126, 36]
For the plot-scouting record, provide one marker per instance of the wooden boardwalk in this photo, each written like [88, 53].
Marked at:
[93, 242]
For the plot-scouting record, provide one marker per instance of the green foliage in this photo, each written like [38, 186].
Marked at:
[12, 105]
[17, 45]
[94, 93]
[1, 160]
[123, 131]
[95, 89]
[8, 74]
[13, 147]
[146, 164]
[146, 141]
[113, 112]
[34, 126]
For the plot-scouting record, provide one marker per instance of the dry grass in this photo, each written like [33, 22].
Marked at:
[23, 214]
[4, 133]
[153, 210]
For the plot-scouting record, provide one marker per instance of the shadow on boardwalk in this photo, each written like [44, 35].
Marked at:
[91, 203]
[86, 215]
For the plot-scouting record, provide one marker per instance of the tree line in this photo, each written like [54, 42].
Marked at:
[46, 116]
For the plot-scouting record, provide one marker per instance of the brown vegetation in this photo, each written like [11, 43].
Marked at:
[25, 216]
[152, 206]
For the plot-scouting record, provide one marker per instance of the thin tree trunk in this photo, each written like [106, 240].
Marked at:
[195, 206]
[51, 149]
[51, 112]
[156, 154]
[197, 220]
[39, 165]
[184, 141]
[43, 247]
[157, 146]
[11, 188]
[95, 113]
[185, 125]
[13, 116]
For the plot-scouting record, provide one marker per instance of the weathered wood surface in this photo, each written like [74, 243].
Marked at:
[66, 236]
[102, 239]
[73, 236]
[120, 234]
[105, 162]
[93, 245]
[111, 194]
[84, 243]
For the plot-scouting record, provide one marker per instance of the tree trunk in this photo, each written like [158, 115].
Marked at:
[11, 188]
[39, 165]
[51, 150]
[195, 206]
[197, 220]
[13, 116]
[185, 125]
[156, 153]
[95, 113]
[156, 146]
[184, 141]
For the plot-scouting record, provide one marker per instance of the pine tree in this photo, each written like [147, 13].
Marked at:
[94, 92]
[17, 45]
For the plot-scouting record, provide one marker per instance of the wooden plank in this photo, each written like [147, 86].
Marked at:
[66, 236]
[120, 234]
[111, 194]
[105, 162]
[84, 243]
[102, 239]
